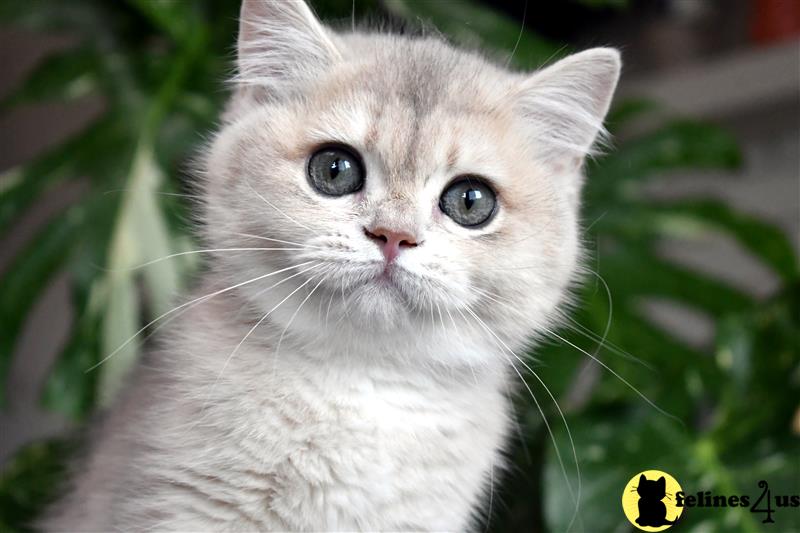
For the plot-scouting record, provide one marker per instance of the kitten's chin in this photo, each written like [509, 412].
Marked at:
[385, 299]
[378, 303]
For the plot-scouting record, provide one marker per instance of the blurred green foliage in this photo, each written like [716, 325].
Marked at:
[160, 67]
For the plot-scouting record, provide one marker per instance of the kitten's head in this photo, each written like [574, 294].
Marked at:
[423, 193]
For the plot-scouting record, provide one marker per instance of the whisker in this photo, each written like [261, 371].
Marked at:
[288, 324]
[491, 496]
[519, 37]
[577, 327]
[247, 182]
[328, 312]
[430, 306]
[544, 418]
[346, 304]
[441, 318]
[610, 311]
[493, 297]
[458, 335]
[260, 237]
[604, 342]
[319, 310]
[207, 251]
[262, 291]
[518, 429]
[201, 298]
[598, 219]
[623, 380]
[161, 193]
[262, 319]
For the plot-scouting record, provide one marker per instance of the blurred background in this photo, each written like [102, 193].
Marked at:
[692, 220]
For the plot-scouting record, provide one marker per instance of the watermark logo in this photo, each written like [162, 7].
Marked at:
[649, 500]
[654, 501]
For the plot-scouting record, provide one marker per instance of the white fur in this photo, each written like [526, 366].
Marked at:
[308, 394]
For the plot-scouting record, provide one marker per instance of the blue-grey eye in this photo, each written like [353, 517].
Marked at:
[469, 201]
[336, 171]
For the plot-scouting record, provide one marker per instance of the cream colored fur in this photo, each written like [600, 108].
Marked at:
[317, 397]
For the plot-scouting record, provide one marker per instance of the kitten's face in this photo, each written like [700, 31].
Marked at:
[415, 118]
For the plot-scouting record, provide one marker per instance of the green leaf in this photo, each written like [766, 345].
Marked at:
[735, 340]
[473, 24]
[29, 275]
[759, 353]
[63, 76]
[20, 187]
[633, 274]
[70, 389]
[175, 17]
[77, 18]
[91, 153]
[615, 444]
[119, 325]
[764, 240]
[624, 111]
[678, 145]
[162, 279]
[140, 235]
[30, 481]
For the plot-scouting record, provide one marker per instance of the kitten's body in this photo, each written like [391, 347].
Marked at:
[300, 442]
[327, 387]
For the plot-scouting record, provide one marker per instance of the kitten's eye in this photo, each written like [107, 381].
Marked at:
[336, 171]
[470, 202]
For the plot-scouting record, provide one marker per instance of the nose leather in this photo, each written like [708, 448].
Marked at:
[391, 242]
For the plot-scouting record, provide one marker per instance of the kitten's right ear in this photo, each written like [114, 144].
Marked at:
[565, 103]
[281, 45]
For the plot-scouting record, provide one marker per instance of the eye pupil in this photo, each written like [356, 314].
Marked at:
[339, 166]
[470, 197]
[335, 167]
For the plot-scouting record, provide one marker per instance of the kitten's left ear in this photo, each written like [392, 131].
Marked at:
[281, 45]
[565, 104]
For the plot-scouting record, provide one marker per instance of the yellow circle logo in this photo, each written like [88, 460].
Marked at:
[649, 500]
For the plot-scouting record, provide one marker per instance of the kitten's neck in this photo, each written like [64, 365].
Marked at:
[225, 343]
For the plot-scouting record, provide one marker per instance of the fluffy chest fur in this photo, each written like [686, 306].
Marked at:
[309, 445]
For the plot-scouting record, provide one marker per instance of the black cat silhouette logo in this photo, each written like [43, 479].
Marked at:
[649, 500]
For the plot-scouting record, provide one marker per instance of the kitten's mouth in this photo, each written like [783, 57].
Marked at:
[387, 275]
[389, 278]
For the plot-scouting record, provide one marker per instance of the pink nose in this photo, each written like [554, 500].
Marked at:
[390, 241]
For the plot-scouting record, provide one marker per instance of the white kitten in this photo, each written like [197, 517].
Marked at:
[420, 205]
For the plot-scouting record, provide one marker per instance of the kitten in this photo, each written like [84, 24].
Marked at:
[418, 207]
